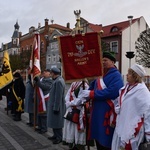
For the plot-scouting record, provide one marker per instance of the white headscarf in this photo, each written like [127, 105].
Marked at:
[139, 70]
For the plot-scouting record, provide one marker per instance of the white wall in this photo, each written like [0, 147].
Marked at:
[136, 29]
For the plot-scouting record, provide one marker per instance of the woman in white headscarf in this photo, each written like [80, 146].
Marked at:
[133, 119]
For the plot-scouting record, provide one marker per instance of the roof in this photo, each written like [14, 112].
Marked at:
[15, 34]
[120, 26]
[95, 27]
[7, 45]
[117, 27]
[57, 26]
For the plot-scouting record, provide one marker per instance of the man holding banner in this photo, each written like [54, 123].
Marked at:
[103, 92]
[35, 69]
[43, 88]
[81, 58]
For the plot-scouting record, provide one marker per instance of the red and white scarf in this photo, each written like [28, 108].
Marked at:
[110, 116]
[42, 99]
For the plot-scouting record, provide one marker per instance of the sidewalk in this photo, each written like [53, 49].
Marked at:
[19, 136]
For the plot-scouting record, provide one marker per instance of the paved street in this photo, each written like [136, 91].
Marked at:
[19, 136]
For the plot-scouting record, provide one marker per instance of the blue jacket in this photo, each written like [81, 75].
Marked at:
[113, 82]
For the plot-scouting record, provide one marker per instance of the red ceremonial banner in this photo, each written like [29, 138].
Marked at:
[81, 56]
[35, 56]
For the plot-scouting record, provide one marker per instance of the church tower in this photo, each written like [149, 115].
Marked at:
[15, 39]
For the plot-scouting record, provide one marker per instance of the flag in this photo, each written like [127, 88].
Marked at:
[35, 57]
[6, 76]
[81, 56]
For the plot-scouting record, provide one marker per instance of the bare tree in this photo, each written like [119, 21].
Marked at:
[142, 46]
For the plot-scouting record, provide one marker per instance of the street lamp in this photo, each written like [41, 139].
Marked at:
[130, 54]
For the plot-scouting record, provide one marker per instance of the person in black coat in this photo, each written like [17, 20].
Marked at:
[17, 95]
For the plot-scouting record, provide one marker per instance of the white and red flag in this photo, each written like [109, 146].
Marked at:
[35, 57]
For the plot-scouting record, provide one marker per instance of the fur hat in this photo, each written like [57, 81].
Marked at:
[109, 55]
[139, 70]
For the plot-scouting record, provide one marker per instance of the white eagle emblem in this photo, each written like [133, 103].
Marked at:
[80, 51]
[80, 48]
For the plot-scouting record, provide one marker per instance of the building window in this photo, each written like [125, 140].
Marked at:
[54, 45]
[27, 47]
[15, 52]
[14, 41]
[114, 29]
[54, 59]
[114, 46]
[58, 58]
[48, 59]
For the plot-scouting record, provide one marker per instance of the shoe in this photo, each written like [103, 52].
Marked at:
[7, 108]
[28, 123]
[37, 129]
[57, 141]
[31, 125]
[52, 138]
[64, 143]
[71, 146]
[42, 132]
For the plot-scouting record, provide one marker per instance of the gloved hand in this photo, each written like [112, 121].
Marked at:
[85, 93]
[68, 104]
[55, 112]
[80, 101]
[84, 100]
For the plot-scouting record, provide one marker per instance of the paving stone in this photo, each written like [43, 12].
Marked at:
[19, 136]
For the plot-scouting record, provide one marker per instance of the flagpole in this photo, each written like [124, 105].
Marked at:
[35, 107]
[36, 70]
[79, 30]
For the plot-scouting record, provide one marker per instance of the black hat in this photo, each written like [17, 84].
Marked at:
[110, 56]
[17, 74]
[55, 70]
[48, 70]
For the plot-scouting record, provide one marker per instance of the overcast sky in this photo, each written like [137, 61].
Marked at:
[31, 12]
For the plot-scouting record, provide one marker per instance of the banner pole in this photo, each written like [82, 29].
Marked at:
[79, 29]
[86, 119]
[35, 107]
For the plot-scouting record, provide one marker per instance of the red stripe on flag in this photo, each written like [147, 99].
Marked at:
[35, 57]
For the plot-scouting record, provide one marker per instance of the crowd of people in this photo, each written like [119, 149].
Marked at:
[106, 112]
